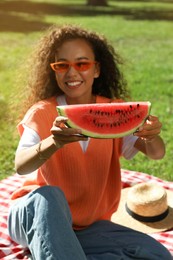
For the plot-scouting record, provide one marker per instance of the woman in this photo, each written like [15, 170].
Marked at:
[63, 210]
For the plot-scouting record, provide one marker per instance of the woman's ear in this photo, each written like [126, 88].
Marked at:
[97, 70]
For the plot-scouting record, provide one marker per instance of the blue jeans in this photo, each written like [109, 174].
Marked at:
[41, 221]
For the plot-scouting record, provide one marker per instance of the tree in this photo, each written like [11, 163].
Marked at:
[97, 2]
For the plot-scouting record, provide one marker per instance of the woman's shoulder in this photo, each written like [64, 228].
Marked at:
[40, 115]
[49, 102]
[42, 108]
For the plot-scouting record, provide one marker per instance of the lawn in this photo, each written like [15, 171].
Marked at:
[141, 31]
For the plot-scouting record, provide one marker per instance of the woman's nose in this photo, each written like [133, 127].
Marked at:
[71, 70]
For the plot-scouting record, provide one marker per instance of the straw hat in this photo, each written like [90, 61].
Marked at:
[146, 207]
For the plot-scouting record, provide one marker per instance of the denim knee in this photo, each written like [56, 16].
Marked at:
[53, 197]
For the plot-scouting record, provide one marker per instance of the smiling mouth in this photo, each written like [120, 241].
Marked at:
[73, 84]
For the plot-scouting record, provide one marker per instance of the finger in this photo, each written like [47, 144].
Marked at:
[61, 118]
[65, 131]
[60, 121]
[152, 118]
[70, 138]
[149, 121]
[146, 133]
[149, 128]
[150, 125]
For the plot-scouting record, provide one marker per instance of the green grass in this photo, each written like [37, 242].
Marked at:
[141, 31]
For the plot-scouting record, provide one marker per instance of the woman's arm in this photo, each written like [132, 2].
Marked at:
[149, 141]
[31, 158]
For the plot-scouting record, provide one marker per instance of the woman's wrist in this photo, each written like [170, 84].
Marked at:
[46, 148]
[40, 153]
[155, 147]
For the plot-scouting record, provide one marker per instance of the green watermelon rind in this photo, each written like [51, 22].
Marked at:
[69, 123]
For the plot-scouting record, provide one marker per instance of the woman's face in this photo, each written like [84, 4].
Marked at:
[76, 84]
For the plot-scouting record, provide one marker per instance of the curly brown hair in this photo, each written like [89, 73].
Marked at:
[41, 80]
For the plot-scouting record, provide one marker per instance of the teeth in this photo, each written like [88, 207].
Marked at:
[73, 83]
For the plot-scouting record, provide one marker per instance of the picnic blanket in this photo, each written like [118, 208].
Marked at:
[10, 250]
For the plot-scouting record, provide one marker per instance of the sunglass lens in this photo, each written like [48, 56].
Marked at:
[62, 66]
[82, 66]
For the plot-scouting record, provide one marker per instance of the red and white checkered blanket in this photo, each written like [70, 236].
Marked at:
[10, 250]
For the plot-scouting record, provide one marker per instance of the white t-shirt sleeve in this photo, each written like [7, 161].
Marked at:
[28, 138]
[128, 149]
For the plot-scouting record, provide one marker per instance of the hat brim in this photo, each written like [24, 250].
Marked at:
[123, 218]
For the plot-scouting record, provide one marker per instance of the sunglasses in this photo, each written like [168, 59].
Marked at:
[63, 66]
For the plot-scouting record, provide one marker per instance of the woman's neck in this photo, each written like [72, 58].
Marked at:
[72, 101]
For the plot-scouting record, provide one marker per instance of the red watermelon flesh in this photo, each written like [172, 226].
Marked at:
[106, 120]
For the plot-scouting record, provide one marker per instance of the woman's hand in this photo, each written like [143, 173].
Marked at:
[63, 135]
[150, 129]
[149, 141]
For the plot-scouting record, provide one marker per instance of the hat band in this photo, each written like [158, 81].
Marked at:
[147, 219]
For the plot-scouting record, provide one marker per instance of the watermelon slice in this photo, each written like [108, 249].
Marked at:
[106, 120]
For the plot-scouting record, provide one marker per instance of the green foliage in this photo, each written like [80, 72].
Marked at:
[141, 31]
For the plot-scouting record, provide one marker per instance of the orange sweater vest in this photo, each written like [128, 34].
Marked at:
[90, 180]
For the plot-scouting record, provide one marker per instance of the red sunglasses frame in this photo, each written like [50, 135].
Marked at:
[89, 63]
